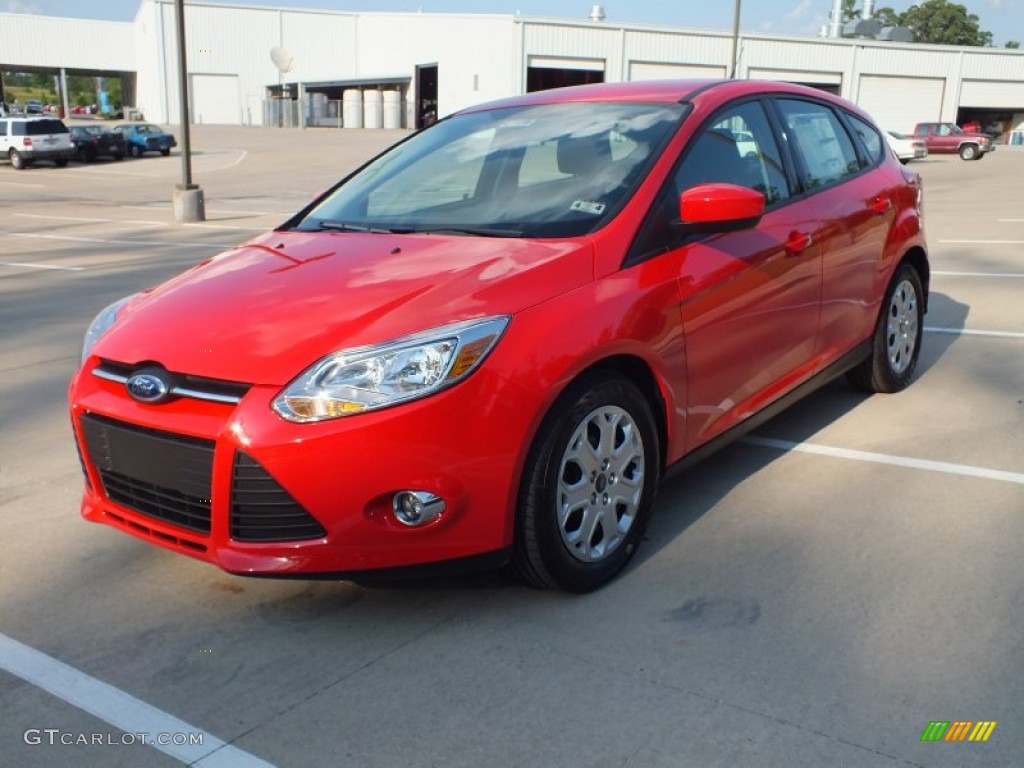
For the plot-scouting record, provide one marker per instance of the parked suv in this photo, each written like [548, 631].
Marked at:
[24, 140]
[950, 137]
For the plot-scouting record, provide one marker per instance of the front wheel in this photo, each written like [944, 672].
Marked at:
[60, 163]
[969, 152]
[136, 151]
[896, 344]
[588, 485]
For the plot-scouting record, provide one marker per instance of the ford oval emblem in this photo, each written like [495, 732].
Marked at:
[148, 387]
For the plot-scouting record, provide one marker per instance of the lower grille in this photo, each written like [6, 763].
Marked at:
[158, 474]
[261, 510]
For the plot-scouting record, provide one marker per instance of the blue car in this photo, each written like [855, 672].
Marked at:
[145, 137]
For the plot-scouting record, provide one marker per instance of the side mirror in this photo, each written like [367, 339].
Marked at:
[713, 208]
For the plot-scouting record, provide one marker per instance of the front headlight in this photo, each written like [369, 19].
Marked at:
[102, 323]
[365, 379]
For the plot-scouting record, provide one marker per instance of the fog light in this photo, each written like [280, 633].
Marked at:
[414, 508]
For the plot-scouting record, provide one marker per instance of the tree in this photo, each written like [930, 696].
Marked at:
[944, 23]
[887, 17]
[850, 11]
[1012, 44]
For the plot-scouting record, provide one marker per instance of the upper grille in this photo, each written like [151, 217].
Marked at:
[182, 385]
[261, 510]
[158, 474]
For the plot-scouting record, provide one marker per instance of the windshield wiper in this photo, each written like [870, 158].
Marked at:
[344, 226]
[478, 231]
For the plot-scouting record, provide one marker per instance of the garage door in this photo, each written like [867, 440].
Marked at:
[900, 103]
[646, 70]
[991, 94]
[215, 99]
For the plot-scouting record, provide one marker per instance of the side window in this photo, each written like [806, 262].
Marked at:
[17, 129]
[736, 147]
[873, 143]
[826, 149]
[943, 130]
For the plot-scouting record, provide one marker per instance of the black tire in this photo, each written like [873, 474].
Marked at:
[136, 150]
[904, 160]
[894, 356]
[543, 554]
[60, 163]
[165, 152]
[119, 157]
[969, 152]
[18, 162]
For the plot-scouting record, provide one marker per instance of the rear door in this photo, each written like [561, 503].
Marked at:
[841, 162]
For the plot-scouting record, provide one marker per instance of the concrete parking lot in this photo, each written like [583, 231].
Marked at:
[815, 595]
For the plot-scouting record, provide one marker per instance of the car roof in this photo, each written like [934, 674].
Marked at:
[667, 91]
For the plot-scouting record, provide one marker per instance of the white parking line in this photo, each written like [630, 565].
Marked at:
[35, 265]
[93, 221]
[74, 239]
[123, 711]
[984, 242]
[166, 207]
[22, 184]
[965, 332]
[978, 274]
[884, 458]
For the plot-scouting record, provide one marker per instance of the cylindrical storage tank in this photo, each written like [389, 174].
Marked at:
[352, 108]
[392, 110]
[319, 105]
[373, 110]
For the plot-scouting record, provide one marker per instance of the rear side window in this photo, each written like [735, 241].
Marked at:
[44, 127]
[869, 137]
[822, 142]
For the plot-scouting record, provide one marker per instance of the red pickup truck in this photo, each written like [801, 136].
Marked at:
[949, 137]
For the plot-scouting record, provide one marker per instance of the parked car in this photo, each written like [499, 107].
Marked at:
[950, 137]
[491, 342]
[92, 141]
[33, 107]
[26, 140]
[907, 148]
[145, 137]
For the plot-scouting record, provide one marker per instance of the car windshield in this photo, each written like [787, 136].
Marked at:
[148, 129]
[555, 170]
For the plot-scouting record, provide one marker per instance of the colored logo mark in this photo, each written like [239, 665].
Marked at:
[959, 730]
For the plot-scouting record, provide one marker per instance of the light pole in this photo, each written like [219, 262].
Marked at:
[188, 197]
[735, 39]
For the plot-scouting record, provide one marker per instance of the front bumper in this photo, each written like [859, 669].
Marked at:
[156, 471]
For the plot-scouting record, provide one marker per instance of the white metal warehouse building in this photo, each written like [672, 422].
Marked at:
[373, 69]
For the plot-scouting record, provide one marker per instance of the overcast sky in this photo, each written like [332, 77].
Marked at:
[1004, 18]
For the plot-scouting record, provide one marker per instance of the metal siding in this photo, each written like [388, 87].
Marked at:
[992, 94]
[577, 42]
[796, 76]
[899, 103]
[675, 48]
[994, 65]
[644, 70]
[49, 41]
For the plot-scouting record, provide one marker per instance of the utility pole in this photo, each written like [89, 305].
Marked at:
[735, 40]
[188, 197]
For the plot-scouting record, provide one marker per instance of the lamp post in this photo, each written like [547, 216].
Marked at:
[188, 197]
[735, 39]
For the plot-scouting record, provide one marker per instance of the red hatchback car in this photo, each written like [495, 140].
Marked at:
[492, 341]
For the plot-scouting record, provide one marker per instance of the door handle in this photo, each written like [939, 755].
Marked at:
[881, 204]
[798, 242]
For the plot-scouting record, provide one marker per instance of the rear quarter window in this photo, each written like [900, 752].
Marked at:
[873, 143]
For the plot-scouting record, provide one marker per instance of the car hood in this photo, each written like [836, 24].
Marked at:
[263, 312]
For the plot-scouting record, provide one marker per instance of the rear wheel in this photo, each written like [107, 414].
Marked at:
[588, 485]
[61, 162]
[896, 344]
[136, 150]
[17, 161]
[119, 157]
[969, 152]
